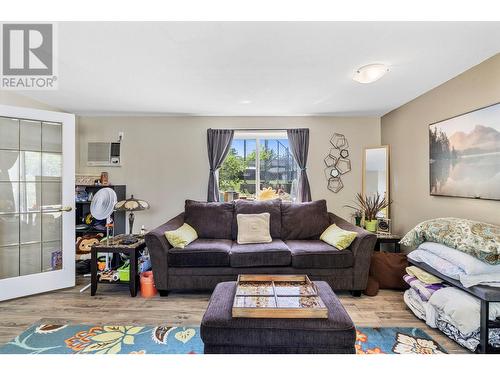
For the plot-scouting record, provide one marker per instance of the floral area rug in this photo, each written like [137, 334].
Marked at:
[109, 339]
[395, 340]
[88, 339]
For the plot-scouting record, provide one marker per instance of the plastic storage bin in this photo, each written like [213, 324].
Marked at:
[124, 272]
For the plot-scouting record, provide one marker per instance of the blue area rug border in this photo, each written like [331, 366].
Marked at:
[47, 338]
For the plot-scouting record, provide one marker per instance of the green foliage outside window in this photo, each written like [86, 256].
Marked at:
[232, 171]
[265, 155]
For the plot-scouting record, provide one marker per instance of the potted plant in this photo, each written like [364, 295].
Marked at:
[370, 206]
[357, 215]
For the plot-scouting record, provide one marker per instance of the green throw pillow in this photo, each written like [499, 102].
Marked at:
[337, 237]
[181, 237]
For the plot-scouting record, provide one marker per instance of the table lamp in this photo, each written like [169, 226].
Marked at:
[131, 204]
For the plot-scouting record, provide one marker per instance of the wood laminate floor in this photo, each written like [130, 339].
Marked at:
[113, 305]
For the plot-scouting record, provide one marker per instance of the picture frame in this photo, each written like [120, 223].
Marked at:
[464, 155]
[384, 226]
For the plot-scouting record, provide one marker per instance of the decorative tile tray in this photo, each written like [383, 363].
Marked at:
[277, 296]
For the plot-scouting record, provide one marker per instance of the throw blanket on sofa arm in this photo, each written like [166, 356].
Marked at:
[478, 239]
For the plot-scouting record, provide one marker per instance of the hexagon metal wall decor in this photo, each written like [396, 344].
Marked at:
[339, 141]
[335, 184]
[332, 172]
[330, 160]
[335, 172]
[337, 162]
[334, 152]
[343, 166]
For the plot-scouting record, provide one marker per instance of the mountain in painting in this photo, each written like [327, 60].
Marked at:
[481, 139]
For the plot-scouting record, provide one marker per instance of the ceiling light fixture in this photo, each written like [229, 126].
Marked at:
[246, 101]
[370, 73]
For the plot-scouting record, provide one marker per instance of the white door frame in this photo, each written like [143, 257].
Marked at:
[46, 281]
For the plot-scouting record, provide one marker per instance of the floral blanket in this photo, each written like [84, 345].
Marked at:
[478, 239]
[470, 341]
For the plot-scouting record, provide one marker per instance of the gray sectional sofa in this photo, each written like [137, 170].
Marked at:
[296, 249]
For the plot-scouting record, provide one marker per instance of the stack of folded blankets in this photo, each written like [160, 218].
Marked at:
[462, 250]
[422, 287]
[451, 310]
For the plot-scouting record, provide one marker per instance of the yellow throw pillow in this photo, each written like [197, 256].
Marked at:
[253, 228]
[182, 236]
[337, 237]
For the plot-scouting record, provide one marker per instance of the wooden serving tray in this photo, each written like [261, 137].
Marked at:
[277, 296]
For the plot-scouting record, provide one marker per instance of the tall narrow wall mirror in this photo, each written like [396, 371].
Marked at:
[376, 174]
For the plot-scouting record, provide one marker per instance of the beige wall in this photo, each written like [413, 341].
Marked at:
[14, 99]
[165, 158]
[165, 162]
[406, 131]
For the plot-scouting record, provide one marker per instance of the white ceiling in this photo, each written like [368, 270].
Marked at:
[255, 68]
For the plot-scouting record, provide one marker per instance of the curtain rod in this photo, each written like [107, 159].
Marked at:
[257, 129]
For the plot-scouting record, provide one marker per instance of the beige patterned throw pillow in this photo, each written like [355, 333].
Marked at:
[253, 228]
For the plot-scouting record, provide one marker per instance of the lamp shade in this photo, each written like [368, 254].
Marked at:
[132, 204]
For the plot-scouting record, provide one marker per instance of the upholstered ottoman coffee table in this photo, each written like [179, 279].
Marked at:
[223, 334]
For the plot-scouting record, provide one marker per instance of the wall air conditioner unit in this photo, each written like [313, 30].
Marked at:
[103, 154]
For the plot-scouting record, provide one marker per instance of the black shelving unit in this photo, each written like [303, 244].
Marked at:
[83, 208]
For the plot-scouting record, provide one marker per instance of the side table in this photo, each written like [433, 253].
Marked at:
[386, 238]
[114, 246]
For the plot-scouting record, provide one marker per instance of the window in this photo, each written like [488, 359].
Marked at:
[257, 161]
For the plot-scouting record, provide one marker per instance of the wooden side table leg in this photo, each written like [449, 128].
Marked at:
[93, 272]
[133, 273]
[484, 330]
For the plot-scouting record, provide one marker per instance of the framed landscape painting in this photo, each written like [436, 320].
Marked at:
[464, 155]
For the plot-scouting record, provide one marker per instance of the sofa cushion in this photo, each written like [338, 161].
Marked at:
[318, 254]
[210, 219]
[201, 253]
[274, 253]
[300, 221]
[273, 207]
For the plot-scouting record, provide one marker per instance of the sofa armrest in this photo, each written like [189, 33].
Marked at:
[158, 246]
[362, 248]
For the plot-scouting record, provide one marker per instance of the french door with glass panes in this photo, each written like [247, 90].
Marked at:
[37, 168]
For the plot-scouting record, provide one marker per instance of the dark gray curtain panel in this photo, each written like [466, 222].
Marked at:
[299, 143]
[218, 143]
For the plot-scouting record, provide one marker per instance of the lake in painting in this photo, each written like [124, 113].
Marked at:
[465, 155]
